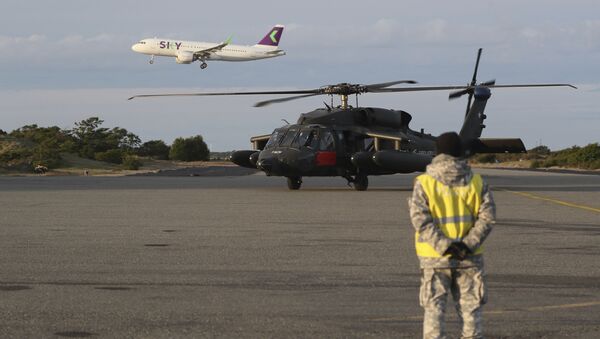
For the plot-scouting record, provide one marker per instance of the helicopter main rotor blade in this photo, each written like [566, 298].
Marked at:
[492, 84]
[532, 85]
[311, 91]
[463, 89]
[388, 84]
[419, 89]
[275, 101]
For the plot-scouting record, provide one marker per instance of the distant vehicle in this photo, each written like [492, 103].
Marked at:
[186, 52]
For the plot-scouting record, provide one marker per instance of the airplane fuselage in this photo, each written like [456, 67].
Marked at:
[176, 48]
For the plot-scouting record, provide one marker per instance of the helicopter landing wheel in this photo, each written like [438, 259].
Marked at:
[361, 182]
[203, 65]
[294, 183]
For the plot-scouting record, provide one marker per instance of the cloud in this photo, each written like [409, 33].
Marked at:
[20, 41]
[592, 34]
[70, 51]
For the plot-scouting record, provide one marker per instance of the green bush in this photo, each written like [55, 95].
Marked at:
[485, 158]
[114, 156]
[539, 150]
[536, 164]
[580, 157]
[156, 149]
[131, 162]
[48, 157]
[189, 149]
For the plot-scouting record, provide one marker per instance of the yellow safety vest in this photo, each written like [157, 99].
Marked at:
[454, 210]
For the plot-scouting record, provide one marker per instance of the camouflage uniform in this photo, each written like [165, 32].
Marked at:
[464, 279]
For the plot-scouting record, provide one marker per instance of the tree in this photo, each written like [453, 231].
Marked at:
[189, 149]
[91, 139]
[48, 142]
[156, 149]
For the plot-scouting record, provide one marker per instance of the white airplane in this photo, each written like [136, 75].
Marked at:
[186, 52]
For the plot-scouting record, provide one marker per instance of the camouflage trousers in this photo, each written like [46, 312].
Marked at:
[468, 289]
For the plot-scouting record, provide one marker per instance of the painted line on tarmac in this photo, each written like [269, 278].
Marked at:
[560, 202]
[507, 311]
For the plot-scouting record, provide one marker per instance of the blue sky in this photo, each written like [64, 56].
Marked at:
[63, 61]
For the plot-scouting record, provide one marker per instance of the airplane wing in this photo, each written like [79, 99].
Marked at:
[206, 52]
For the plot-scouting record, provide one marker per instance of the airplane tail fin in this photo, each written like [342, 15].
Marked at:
[272, 38]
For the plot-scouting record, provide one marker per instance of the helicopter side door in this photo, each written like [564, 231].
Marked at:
[326, 153]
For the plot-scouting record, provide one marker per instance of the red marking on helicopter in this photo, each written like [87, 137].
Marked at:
[326, 159]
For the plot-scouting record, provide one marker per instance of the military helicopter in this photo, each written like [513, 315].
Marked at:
[356, 142]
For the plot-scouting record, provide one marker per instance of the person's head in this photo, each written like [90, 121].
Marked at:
[449, 143]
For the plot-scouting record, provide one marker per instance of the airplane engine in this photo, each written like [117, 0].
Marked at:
[184, 57]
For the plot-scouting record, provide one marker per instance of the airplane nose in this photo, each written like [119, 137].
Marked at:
[135, 47]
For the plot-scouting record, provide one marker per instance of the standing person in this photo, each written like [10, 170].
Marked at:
[452, 211]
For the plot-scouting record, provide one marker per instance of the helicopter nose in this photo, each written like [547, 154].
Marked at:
[265, 165]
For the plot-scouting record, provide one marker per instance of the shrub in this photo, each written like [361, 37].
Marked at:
[540, 150]
[131, 162]
[189, 149]
[485, 158]
[114, 156]
[156, 149]
[536, 164]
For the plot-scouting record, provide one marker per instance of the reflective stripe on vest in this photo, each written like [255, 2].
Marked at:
[454, 210]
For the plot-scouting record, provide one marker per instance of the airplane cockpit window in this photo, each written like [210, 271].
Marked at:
[307, 137]
[327, 143]
[275, 138]
[289, 136]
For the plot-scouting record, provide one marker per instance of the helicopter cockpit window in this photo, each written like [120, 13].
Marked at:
[275, 138]
[307, 137]
[327, 143]
[289, 137]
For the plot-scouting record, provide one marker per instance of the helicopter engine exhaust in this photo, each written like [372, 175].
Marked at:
[402, 162]
[245, 158]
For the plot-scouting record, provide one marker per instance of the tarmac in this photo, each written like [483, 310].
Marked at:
[243, 257]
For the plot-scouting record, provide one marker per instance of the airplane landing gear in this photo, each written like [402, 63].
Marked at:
[203, 65]
[151, 60]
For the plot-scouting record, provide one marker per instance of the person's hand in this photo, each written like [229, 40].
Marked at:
[458, 251]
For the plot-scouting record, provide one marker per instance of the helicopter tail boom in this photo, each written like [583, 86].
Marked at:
[473, 124]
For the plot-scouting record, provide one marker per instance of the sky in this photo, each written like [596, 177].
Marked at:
[63, 61]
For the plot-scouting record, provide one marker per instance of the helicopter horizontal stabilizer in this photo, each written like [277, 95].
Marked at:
[489, 145]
